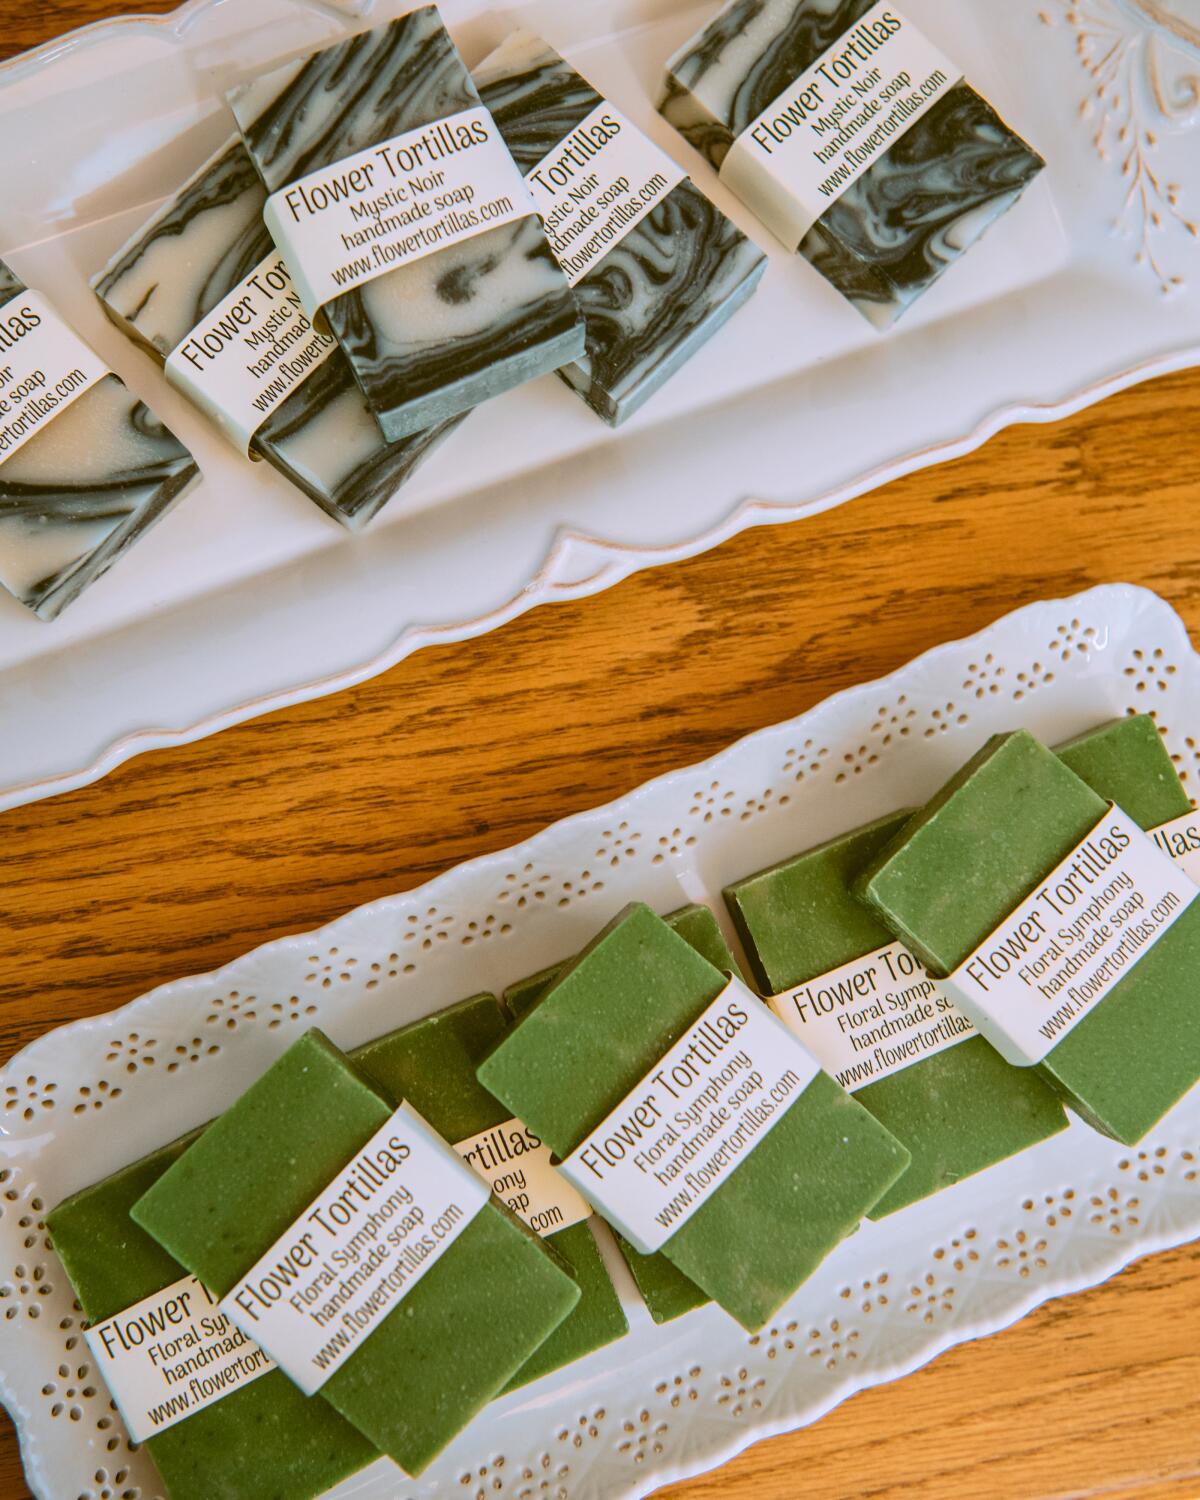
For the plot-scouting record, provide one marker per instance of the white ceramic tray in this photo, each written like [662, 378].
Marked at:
[664, 1402]
[247, 598]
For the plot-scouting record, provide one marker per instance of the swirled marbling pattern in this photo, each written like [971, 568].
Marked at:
[914, 211]
[667, 286]
[94, 480]
[195, 250]
[890, 236]
[465, 322]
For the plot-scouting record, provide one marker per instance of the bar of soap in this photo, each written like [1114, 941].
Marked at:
[431, 1064]
[666, 1291]
[970, 857]
[959, 1110]
[265, 1438]
[664, 287]
[1126, 762]
[930, 190]
[85, 487]
[462, 1331]
[194, 254]
[695, 924]
[463, 323]
[608, 1018]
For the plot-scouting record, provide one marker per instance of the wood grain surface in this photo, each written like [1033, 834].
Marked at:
[184, 858]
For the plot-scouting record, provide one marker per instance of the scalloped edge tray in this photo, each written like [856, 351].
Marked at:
[664, 1403]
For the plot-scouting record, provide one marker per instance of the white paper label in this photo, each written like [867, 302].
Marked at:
[44, 367]
[516, 1165]
[395, 202]
[357, 1250]
[249, 353]
[596, 185]
[837, 119]
[872, 1017]
[1180, 838]
[678, 1136]
[1065, 948]
[171, 1355]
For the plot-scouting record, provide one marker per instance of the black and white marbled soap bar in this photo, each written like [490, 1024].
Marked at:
[916, 208]
[668, 284]
[83, 488]
[198, 249]
[462, 323]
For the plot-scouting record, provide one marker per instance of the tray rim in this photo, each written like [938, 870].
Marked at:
[611, 563]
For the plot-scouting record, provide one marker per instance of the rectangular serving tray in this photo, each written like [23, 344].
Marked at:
[247, 598]
[669, 1402]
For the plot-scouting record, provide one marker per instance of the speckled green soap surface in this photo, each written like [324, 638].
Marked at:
[432, 1065]
[695, 924]
[959, 1110]
[1126, 762]
[969, 858]
[265, 1438]
[666, 1291]
[608, 1018]
[459, 1335]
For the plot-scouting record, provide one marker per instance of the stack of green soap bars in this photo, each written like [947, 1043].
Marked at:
[958, 1111]
[265, 1438]
[666, 1291]
[431, 1064]
[963, 1109]
[460, 1334]
[985, 842]
[1126, 762]
[607, 1018]
[569, 1043]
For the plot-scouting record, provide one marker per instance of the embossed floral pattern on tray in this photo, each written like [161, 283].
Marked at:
[1142, 59]
[669, 1401]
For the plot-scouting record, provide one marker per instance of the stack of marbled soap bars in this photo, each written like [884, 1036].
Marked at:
[368, 1247]
[386, 241]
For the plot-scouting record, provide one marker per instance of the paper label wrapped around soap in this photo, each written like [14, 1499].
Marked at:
[247, 356]
[516, 1165]
[596, 185]
[872, 1017]
[1069, 944]
[836, 120]
[171, 1355]
[395, 202]
[684, 1129]
[1180, 838]
[44, 368]
[357, 1250]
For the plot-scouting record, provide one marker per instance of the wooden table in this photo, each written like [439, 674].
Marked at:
[279, 825]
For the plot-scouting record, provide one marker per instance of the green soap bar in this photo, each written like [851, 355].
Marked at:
[959, 1111]
[525, 993]
[695, 924]
[461, 1333]
[265, 1438]
[603, 1024]
[431, 1064]
[1126, 762]
[666, 1291]
[972, 855]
